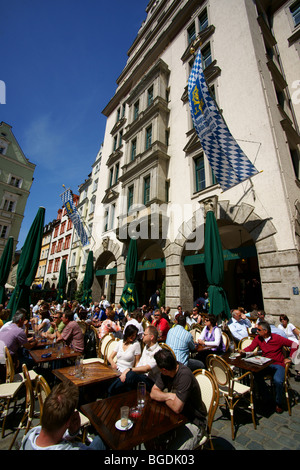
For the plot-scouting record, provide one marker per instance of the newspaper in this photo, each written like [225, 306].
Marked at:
[257, 360]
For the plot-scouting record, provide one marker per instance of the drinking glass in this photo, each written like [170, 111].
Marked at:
[141, 394]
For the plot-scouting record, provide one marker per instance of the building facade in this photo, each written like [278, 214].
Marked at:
[86, 209]
[60, 247]
[16, 177]
[156, 179]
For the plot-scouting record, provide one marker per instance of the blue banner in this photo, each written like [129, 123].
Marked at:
[67, 199]
[229, 163]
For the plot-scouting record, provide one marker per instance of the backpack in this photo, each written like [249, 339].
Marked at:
[89, 344]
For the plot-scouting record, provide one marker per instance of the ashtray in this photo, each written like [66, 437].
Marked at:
[135, 412]
[126, 428]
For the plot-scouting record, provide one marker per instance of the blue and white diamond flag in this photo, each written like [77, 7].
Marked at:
[67, 200]
[229, 163]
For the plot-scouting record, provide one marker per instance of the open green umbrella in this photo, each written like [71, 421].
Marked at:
[5, 265]
[129, 298]
[214, 267]
[28, 264]
[88, 280]
[62, 282]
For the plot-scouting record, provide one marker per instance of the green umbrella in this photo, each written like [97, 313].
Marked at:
[62, 282]
[28, 264]
[5, 265]
[88, 281]
[214, 267]
[129, 298]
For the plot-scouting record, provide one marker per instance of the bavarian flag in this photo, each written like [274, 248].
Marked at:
[229, 163]
[67, 200]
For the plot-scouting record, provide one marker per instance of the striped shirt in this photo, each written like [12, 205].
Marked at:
[182, 343]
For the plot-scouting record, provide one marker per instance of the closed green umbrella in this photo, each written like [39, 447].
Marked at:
[62, 282]
[214, 267]
[129, 298]
[88, 280]
[28, 264]
[5, 265]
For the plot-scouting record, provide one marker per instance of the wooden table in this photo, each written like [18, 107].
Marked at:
[66, 353]
[94, 372]
[156, 419]
[245, 365]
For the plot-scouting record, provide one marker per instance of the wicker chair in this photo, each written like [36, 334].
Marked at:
[27, 417]
[210, 396]
[230, 387]
[109, 349]
[226, 340]
[166, 346]
[11, 376]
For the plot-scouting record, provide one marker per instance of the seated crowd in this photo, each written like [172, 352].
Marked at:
[157, 347]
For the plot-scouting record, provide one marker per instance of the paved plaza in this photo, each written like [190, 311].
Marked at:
[273, 432]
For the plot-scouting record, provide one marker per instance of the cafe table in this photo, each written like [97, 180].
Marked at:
[241, 363]
[156, 419]
[93, 372]
[51, 354]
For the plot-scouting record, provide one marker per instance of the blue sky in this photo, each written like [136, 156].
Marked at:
[60, 62]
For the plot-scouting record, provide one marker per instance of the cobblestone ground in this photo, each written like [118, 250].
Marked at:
[273, 431]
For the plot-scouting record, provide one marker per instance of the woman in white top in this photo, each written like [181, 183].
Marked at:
[290, 330]
[127, 351]
[293, 334]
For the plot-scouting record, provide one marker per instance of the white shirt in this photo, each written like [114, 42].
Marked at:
[289, 331]
[147, 359]
[239, 329]
[126, 359]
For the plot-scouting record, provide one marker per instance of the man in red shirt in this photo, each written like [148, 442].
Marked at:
[271, 346]
[161, 324]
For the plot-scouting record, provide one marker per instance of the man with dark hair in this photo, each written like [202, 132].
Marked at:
[15, 338]
[60, 423]
[72, 333]
[178, 388]
[271, 346]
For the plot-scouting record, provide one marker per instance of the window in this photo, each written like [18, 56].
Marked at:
[206, 56]
[199, 173]
[69, 226]
[56, 265]
[203, 20]
[112, 215]
[106, 220]
[117, 173]
[50, 265]
[191, 33]
[148, 137]
[53, 248]
[133, 149]
[136, 110]
[130, 197]
[150, 96]
[295, 11]
[3, 231]
[67, 242]
[95, 185]
[59, 245]
[111, 175]
[9, 205]
[62, 228]
[14, 181]
[118, 114]
[56, 231]
[120, 138]
[146, 190]
[115, 142]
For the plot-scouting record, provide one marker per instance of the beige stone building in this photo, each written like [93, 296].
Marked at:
[155, 176]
